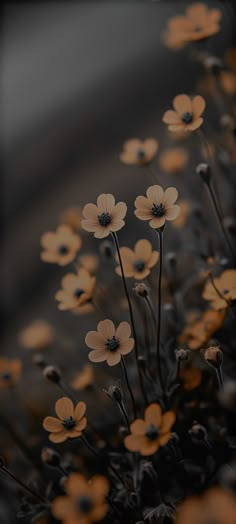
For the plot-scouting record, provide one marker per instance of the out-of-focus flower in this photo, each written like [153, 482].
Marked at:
[38, 335]
[60, 247]
[89, 261]
[70, 422]
[228, 82]
[149, 434]
[10, 372]
[198, 23]
[109, 343]
[158, 206]
[191, 377]
[186, 115]
[199, 331]
[185, 209]
[139, 152]
[224, 293]
[215, 505]
[72, 217]
[84, 503]
[84, 379]
[105, 217]
[173, 160]
[77, 290]
[138, 263]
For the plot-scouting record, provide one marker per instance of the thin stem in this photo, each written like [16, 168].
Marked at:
[160, 234]
[124, 413]
[65, 389]
[89, 446]
[21, 444]
[24, 486]
[128, 385]
[116, 242]
[151, 309]
[218, 214]
[217, 290]
[220, 377]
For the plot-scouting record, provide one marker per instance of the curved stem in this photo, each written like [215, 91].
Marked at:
[24, 486]
[128, 385]
[219, 218]
[160, 234]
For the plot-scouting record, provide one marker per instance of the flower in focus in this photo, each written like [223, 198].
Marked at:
[173, 160]
[186, 115]
[84, 379]
[224, 293]
[158, 206]
[197, 23]
[191, 377]
[137, 263]
[77, 290]
[70, 422]
[38, 335]
[89, 261]
[185, 209]
[10, 372]
[198, 332]
[108, 343]
[139, 152]
[61, 246]
[72, 217]
[215, 505]
[149, 434]
[84, 503]
[105, 217]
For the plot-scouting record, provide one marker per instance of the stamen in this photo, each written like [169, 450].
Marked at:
[158, 210]
[139, 265]
[68, 423]
[84, 504]
[104, 219]
[112, 344]
[78, 292]
[187, 117]
[140, 154]
[63, 250]
[152, 432]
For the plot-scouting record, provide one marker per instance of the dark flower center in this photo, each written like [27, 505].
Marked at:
[63, 250]
[158, 210]
[84, 504]
[104, 219]
[139, 265]
[112, 344]
[6, 375]
[152, 432]
[187, 118]
[68, 423]
[140, 154]
[78, 292]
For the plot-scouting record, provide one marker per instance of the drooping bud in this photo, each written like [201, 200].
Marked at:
[182, 354]
[204, 171]
[50, 457]
[213, 356]
[141, 290]
[52, 373]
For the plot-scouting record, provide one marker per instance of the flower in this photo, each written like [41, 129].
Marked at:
[72, 217]
[213, 356]
[10, 371]
[109, 343]
[105, 217]
[137, 263]
[198, 23]
[84, 379]
[89, 261]
[70, 422]
[187, 113]
[173, 160]
[215, 505]
[191, 377]
[200, 330]
[223, 293]
[149, 434]
[139, 152]
[38, 335]
[158, 206]
[77, 290]
[185, 209]
[61, 246]
[84, 503]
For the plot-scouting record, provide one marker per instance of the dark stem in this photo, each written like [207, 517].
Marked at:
[151, 309]
[218, 214]
[26, 488]
[220, 377]
[89, 446]
[116, 242]
[160, 234]
[128, 385]
[124, 413]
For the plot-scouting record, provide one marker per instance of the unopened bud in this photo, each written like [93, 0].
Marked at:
[51, 373]
[50, 457]
[198, 432]
[204, 171]
[213, 64]
[141, 290]
[182, 354]
[213, 356]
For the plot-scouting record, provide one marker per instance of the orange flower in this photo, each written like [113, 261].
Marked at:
[61, 246]
[215, 505]
[70, 422]
[149, 434]
[72, 217]
[185, 209]
[89, 262]
[105, 217]
[10, 372]
[84, 503]
[84, 379]
[191, 377]
[187, 114]
[109, 343]
[77, 290]
[139, 153]
[225, 285]
[158, 206]
[173, 160]
[137, 263]
[198, 332]
[198, 23]
[38, 335]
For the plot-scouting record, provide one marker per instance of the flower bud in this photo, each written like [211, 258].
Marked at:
[204, 171]
[50, 457]
[115, 393]
[198, 432]
[141, 290]
[182, 354]
[213, 64]
[53, 374]
[213, 356]
[39, 361]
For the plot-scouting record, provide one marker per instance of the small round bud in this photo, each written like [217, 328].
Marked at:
[182, 354]
[141, 290]
[39, 361]
[114, 392]
[204, 171]
[213, 356]
[213, 64]
[51, 373]
[123, 431]
[198, 433]
[50, 457]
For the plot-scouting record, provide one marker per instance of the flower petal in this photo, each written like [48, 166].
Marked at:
[105, 203]
[134, 442]
[64, 408]
[90, 211]
[113, 358]
[156, 222]
[172, 212]
[126, 347]
[123, 331]
[94, 340]
[79, 410]
[171, 117]
[182, 104]
[143, 249]
[167, 421]
[59, 437]
[138, 427]
[52, 424]
[153, 414]
[106, 328]
[170, 196]
[98, 355]
[198, 104]
[155, 194]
